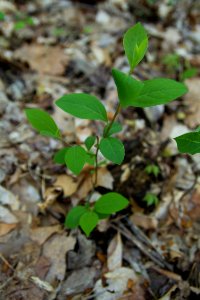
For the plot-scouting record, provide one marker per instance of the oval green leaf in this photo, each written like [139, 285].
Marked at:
[89, 142]
[135, 43]
[115, 128]
[73, 217]
[59, 156]
[159, 91]
[110, 203]
[112, 149]
[83, 106]
[75, 159]
[189, 142]
[43, 122]
[88, 222]
[128, 88]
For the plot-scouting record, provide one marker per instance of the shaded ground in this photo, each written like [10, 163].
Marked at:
[50, 48]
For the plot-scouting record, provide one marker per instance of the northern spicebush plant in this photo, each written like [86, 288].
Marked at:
[131, 92]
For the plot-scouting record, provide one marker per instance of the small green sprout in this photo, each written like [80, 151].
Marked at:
[152, 169]
[151, 199]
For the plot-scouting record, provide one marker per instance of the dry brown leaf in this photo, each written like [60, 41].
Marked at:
[41, 234]
[55, 250]
[67, 183]
[192, 101]
[50, 196]
[5, 228]
[115, 249]
[143, 221]
[105, 180]
[43, 58]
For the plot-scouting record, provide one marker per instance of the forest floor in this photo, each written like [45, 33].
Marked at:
[50, 48]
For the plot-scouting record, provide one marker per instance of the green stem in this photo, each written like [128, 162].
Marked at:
[96, 162]
[112, 121]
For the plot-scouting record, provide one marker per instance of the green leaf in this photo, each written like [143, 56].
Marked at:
[103, 216]
[189, 142]
[135, 44]
[83, 106]
[128, 88]
[115, 128]
[75, 159]
[159, 91]
[2, 16]
[189, 73]
[59, 156]
[73, 217]
[89, 142]
[110, 203]
[43, 122]
[112, 149]
[88, 222]
[151, 199]
[90, 159]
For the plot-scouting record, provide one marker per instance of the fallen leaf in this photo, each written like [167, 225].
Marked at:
[144, 221]
[5, 228]
[42, 58]
[117, 282]
[67, 183]
[115, 253]
[41, 234]
[55, 249]
[191, 99]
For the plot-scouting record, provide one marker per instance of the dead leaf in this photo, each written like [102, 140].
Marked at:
[104, 179]
[41, 234]
[67, 183]
[115, 249]
[55, 250]
[191, 99]
[144, 221]
[43, 59]
[5, 228]
[117, 282]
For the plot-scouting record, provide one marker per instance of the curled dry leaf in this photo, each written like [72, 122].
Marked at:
[115, 253]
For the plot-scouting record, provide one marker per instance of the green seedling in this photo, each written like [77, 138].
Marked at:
[152, 169]
[131, 92]
[23, 23]
[151, 199]
[174, 62]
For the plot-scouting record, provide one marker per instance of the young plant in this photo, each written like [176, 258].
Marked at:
[152, 169]
[131, 92]
[151, 199]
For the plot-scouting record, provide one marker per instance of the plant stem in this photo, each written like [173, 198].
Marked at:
[112, 121]
[96, 162]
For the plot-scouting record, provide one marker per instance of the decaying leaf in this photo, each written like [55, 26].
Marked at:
[115, 248]
[55, 249]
